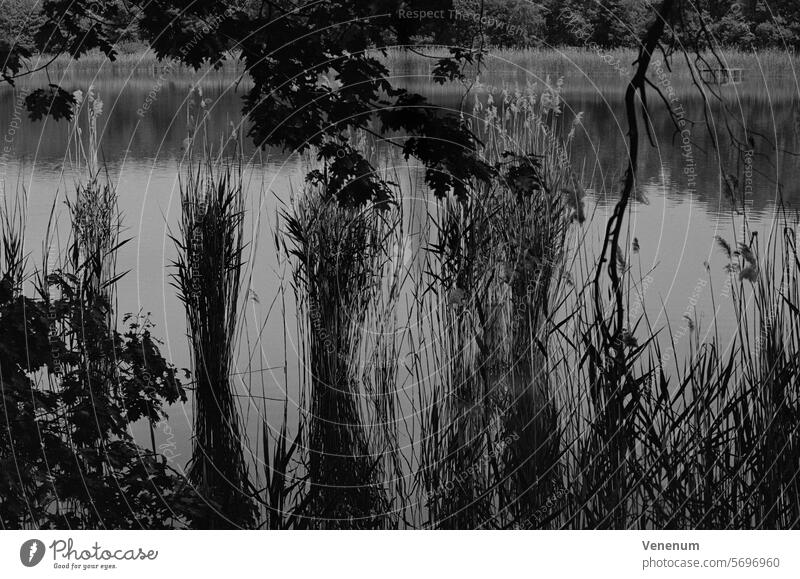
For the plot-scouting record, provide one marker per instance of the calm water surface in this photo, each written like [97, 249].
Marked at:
[679, 213]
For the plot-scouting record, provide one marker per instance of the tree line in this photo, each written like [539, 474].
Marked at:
[742, 24]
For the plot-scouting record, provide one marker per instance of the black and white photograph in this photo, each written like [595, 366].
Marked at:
[526, 271]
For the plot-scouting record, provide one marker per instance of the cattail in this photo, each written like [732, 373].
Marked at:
[731, 187]
[726, 248]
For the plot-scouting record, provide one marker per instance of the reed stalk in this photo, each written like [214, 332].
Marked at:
[208, 278]
[336, 252]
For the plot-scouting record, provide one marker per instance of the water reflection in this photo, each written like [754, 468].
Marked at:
[674, 223]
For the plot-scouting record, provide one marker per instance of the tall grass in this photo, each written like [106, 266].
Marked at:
[527, 410]
[208, 273]
[337, 254]
[708, 443]
[129, 56]
[490, 433]
[624, 441]
[74, 385]
[577, 60]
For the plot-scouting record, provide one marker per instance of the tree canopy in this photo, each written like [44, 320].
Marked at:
[316, 69]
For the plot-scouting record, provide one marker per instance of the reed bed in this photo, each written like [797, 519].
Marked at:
[340, 257]
[523, 414]
[74, 384]
[480, 382]
[569, 60]
[489, 428]
[129, 56]
[703, 443]
[527, 407]
[554, 60]
[208, 274]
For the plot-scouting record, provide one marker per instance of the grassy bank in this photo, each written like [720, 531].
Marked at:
[566, 60]
[576, 60]
[129, 56]
[768, 76]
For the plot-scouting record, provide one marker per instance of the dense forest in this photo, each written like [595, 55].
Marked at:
[742, 24]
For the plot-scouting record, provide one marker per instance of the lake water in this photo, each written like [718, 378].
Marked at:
[682, 207]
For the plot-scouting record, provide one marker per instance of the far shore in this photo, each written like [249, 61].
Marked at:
[769, 62]
[769, 75]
